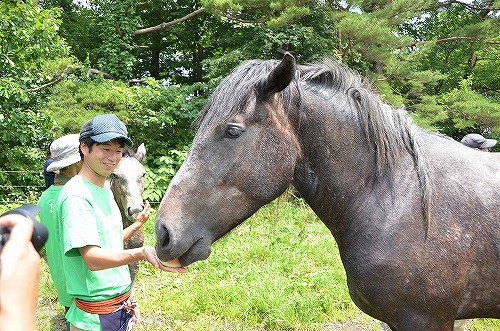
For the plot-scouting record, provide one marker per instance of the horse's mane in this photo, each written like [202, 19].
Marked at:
[389, 130]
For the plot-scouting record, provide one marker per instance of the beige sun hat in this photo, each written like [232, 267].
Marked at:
[65, 152]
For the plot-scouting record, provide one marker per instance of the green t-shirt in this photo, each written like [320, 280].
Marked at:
[53, 246]
[90, 216]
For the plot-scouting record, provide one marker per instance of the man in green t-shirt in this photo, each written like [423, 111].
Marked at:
[67, 162]
[95, 263]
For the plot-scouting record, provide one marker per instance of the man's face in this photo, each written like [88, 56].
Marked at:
[104, 157]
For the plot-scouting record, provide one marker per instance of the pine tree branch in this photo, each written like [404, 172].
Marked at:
[440, 41]
[444, 40]
[236, 19]
[71, 68]
[61, 76]
[167, 24]
[99, 72]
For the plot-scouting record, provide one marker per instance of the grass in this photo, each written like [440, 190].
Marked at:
[279, 270]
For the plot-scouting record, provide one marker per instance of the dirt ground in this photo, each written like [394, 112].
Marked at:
[57, 323]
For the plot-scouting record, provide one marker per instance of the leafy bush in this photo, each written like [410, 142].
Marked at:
[157, 178]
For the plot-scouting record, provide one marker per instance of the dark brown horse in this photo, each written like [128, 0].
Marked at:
[127, 185]
[415, 214]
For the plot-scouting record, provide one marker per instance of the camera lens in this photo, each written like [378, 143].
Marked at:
[40, 233]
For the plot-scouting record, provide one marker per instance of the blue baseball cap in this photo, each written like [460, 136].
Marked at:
[103, 128]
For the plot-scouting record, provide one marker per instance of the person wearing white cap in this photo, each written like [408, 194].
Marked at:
[67, 161]
[476, 141]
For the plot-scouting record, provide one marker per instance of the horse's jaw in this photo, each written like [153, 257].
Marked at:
[172, 252]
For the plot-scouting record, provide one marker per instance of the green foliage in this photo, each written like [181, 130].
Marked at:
[29, 41]
[274, 13]
[312, 40]
[162, 117]
[22, 135]
[468, 108]
[364, 30]
[418, 55]
[448, 78]
[78, 28]
[486, 74]
[157, 178]
[75, 101]
[115, 53]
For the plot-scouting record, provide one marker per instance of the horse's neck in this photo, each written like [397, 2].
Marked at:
[330, 160]
[125, 220]
[336, 166]
[334, 148]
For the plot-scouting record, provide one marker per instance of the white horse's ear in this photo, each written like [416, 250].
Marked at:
[140, 154]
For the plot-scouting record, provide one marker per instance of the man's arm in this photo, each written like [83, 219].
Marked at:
[97, 258]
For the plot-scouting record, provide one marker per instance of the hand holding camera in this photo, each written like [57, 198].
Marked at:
[20, 267]
[40, 234]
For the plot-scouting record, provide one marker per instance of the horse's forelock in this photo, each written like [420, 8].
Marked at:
[127, 152]
[232, 93]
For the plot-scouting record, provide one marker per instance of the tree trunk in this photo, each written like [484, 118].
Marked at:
[154, 64]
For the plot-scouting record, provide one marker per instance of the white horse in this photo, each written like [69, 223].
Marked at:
[127, 185]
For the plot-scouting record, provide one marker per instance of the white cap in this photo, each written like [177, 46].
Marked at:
[65, 152]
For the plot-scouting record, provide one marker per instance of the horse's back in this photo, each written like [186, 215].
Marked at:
[465, 216]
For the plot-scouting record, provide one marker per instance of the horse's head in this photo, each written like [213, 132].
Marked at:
[127, 183]
[242, 157]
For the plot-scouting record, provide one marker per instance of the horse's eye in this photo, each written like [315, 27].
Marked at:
[234, 131]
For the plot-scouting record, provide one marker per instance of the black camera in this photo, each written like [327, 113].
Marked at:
[40, 233]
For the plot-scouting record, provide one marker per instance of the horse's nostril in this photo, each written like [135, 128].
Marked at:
[162, 236]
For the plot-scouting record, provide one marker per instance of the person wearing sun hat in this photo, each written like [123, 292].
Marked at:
[49, 176]
[64, 152]
[95, 263]
[67, 162]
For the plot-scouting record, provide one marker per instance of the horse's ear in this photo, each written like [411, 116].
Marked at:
[140, 154]
[280, 77]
